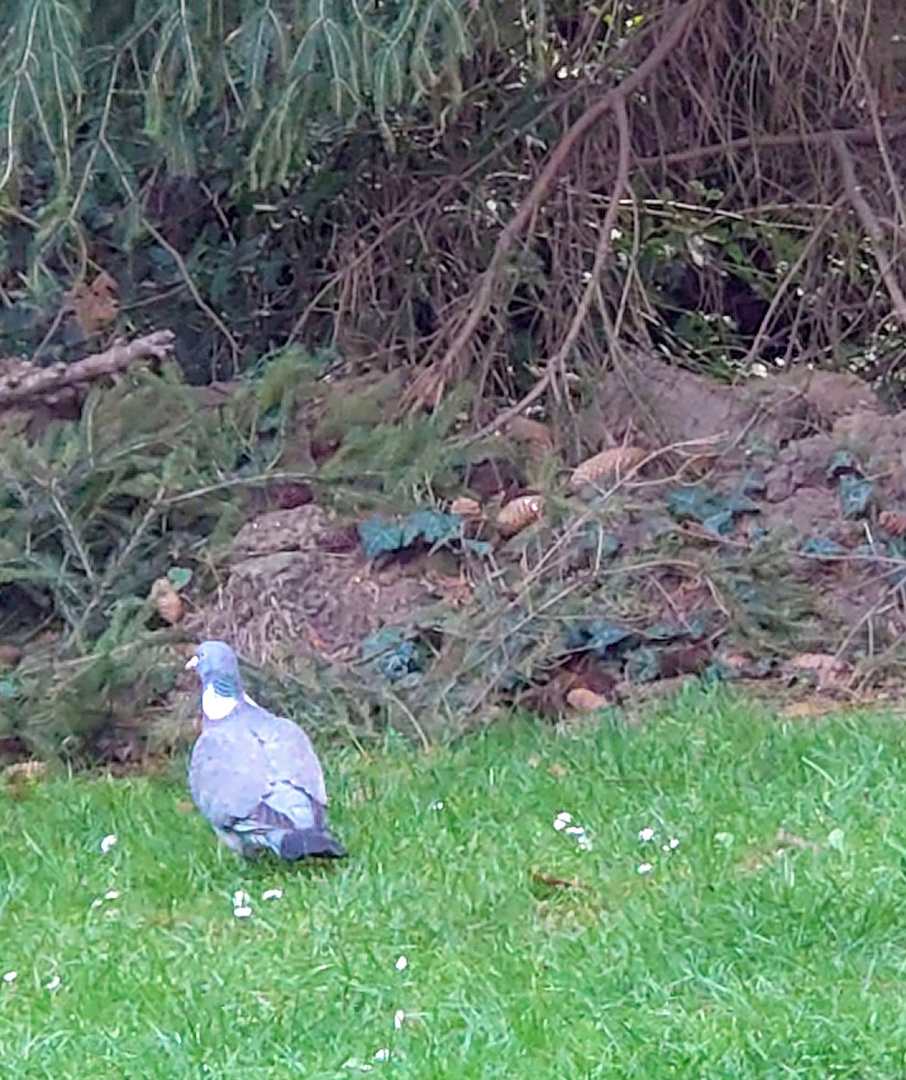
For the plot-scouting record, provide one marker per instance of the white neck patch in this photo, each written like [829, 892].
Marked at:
[215, 706]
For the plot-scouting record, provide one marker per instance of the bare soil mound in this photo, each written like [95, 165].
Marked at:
[750, 531]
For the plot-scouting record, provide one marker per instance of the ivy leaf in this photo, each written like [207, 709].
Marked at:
[713, 509]
[855, 495]
[693, 630]
[433, 526]
[842, 463]
[392, 652]
[594, 539]
[823, 547]
[643, 665]
[379, 536]
[479, 547]
[179, 576]
[598, 636]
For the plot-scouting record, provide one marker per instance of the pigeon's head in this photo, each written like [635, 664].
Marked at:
[217, 667]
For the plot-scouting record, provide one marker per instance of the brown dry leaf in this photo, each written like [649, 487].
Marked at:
[785, 839]
[455, 591]
[584, 700]
[829, 670]
[533, 432]
[465, 507]
[609, 464]
[698, 465]
[803, 710]
[184, 806]
[10, 655]
[167, 600]
[559, 771]
[556, 882]
[26, 770]
[762, 855]
[893, 521]
[22, 778]
[518, 513]
[95, 305]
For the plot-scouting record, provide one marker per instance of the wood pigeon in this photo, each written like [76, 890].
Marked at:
[253, 775]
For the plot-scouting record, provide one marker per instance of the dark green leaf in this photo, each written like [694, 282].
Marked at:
[478, 547]
[379, 536]
[598, 636]
[823, 547]
[392, 652]
[179, 576]
[676, 631]
[855, 495]
[643, 665]
[841, 463]
[433, 526]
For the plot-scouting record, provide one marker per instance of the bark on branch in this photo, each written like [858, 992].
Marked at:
[27, 384]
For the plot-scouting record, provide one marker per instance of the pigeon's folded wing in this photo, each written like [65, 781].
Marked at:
[228, 773]
[288, 751]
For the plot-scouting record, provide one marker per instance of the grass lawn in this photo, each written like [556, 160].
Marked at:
[735, 955]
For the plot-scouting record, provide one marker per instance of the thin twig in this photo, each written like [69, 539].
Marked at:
[193, 289]
[529, 206]
[871, 225]
[558, 361]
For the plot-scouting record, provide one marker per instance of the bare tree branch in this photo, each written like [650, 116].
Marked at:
[431, 382]
[558, 361]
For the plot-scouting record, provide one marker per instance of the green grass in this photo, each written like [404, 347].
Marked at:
[731, 958]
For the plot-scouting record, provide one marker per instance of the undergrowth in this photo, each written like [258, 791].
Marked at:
[150, 481]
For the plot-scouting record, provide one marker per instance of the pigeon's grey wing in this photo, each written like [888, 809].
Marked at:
[228, 773]
[289, 752]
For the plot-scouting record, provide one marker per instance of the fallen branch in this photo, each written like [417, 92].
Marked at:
[28, 383]
[431, 382]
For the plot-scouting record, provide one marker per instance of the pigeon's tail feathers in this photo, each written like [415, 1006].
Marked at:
[311, 843]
